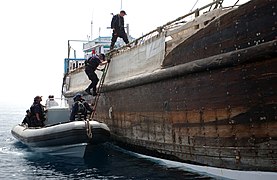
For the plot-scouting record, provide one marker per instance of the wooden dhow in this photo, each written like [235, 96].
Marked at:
[202, 91]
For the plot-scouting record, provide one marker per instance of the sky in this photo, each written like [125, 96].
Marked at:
[34, 35]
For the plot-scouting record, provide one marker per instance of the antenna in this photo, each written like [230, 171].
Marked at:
[91, 27]
[99, 31]
[120, 4]
[193, 5]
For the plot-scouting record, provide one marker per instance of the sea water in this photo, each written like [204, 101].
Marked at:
[106, 161]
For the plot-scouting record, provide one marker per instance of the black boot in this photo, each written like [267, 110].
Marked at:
[112, 46]
[94, 93]
[88, 91]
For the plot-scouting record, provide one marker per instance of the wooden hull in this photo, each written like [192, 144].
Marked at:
[213, 102]
[224, 118]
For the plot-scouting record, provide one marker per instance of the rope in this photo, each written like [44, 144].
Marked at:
[194, 5]
[159, 29]
[88, 129]
[87, 122]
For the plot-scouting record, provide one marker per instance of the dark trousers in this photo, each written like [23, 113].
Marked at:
[94, 80]
[121, 34]
[35, 122]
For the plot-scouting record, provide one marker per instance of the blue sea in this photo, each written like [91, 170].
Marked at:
[106, 161]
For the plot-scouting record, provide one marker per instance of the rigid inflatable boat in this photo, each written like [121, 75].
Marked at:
[59, 136]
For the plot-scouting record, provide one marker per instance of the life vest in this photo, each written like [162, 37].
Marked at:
[81, 111]
[81, 108]
[41, 111]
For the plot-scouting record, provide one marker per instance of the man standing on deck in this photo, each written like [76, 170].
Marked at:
[90, 66]
[117, 25]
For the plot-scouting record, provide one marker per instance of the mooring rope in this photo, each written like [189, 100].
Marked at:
[88, 128]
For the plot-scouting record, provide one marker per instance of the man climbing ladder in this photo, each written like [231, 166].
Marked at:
[88, 127]
[90, 66]
[100, 87]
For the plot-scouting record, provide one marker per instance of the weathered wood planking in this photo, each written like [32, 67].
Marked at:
[214, 102]
[252, 24]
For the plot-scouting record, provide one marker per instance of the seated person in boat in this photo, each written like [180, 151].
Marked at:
[50, 102]
[37, 113]
[27, 118]
[80, 109]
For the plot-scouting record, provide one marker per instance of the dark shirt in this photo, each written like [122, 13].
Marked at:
[27, 120]
[81, 108]
[92, 63]
[88, 108]
[37, 108]
[117, 22]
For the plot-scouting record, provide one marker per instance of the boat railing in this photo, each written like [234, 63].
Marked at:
[175, 25]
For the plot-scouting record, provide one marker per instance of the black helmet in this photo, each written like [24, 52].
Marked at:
[102, 56]
[77, 96]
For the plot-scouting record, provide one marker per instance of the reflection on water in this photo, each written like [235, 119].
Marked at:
[100, 162]
[18, 162]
